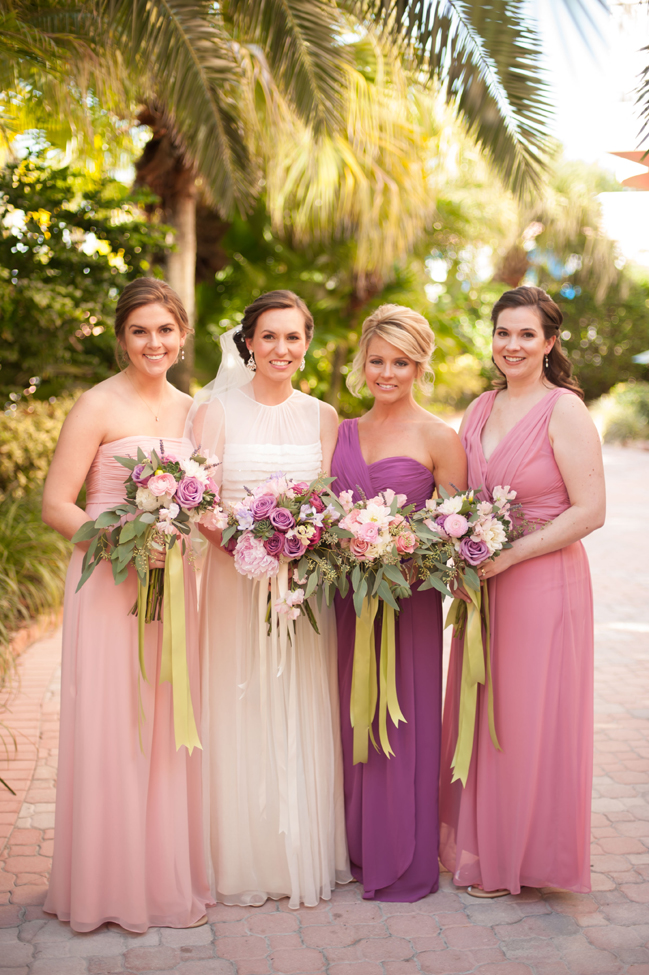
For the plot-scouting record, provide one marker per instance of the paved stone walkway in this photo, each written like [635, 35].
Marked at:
[545, 932]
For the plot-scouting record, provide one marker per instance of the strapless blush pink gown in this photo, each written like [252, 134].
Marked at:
[524, 817]
[128, 832]
[391, 803]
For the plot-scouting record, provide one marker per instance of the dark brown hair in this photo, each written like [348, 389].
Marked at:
[272, 299]
[559, 368]
[146, 291]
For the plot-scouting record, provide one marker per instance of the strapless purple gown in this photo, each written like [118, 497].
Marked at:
[391, 804]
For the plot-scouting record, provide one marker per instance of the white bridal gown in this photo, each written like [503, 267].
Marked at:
[273, 782]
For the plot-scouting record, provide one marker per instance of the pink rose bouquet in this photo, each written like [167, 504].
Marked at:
[286, 522]
[165, 495]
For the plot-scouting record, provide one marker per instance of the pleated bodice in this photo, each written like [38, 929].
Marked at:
[106, 477]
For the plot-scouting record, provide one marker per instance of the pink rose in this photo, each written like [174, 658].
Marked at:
[161, 484]
[455, 525]
[299, 487]
[369, 532]
[397, 520]
[316, 502]
[406, 543]
[251, 558]
[189, 492]
[358, 548]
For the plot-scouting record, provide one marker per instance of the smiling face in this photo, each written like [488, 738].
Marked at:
[279, 343]
[389, 373]
[519, 345]
[152, 339]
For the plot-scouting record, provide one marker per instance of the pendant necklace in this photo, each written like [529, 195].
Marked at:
[150, 408]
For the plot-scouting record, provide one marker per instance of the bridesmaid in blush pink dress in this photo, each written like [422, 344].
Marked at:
[523, 818]
[128, 826]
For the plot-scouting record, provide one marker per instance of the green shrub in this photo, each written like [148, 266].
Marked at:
[624, 412]
[33, 564]
[27, 440]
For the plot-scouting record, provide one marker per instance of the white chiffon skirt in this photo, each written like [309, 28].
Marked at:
[273, 781]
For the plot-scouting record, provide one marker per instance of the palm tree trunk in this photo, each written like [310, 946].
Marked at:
[181, 266]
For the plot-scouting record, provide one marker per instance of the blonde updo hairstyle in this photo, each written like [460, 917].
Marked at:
[407, 331]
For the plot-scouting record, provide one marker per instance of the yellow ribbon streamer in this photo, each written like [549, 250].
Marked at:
[173, 666]
[468, 620]
[364, 693]
[388, 701]
[362, 705]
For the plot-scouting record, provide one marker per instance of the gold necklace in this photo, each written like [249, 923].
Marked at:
[150, 408]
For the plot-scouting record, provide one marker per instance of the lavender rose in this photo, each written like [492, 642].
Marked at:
[473, 550]
[274, 544]
[281, 518]
[189, 492]
[294, 547]
[262, 506]
[137, 475]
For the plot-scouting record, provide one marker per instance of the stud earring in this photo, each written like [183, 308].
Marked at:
[302, 364]
[547, 363]
[251, 365]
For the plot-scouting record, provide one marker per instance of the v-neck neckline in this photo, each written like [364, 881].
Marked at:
[488, 460]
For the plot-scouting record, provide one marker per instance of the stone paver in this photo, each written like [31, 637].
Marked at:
[546, 932]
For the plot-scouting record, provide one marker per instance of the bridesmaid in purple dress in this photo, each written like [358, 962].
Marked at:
[391, 804]
[524, 816]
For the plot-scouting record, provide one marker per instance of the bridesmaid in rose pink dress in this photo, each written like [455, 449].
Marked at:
[523, 818]
[391, 803]
[128, 830]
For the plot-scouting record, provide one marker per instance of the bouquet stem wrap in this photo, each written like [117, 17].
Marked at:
[279, 717]
[173, 666]
[476, 669]
[364, 693]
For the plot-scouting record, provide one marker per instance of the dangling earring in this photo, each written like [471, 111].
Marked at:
[182, 355]
[251, 365]
[546, 362]
[302, 364]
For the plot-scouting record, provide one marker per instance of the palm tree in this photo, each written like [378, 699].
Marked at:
[203, 70]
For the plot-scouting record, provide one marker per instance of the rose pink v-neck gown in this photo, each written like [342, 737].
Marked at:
[524, 817]
[391, 804]
[128, 831]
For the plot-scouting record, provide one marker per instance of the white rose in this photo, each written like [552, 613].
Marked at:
[452, 506]
[146, 500]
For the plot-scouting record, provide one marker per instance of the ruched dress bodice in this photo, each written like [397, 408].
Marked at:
[259, 440]
[106, 477]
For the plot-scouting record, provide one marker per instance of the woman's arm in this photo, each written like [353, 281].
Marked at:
[578, 454]
[208, 431]
[449, 459]
[328, 434]
[81, 435]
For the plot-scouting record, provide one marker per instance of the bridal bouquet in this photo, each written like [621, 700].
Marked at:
[286, 524]
[465, 532]
[165, 495]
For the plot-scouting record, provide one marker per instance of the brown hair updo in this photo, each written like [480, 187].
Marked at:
[146, 291]
[407, 331]
[272, 299]
[559, 368]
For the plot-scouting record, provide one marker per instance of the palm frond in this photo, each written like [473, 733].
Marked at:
[301, 40]
[487, 55]
[642, 101]
[185, 60]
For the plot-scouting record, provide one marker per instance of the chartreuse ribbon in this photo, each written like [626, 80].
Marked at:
[364, 695]
[476, 669]
[173, 666]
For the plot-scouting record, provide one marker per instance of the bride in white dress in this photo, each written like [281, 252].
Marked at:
[273, 783]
